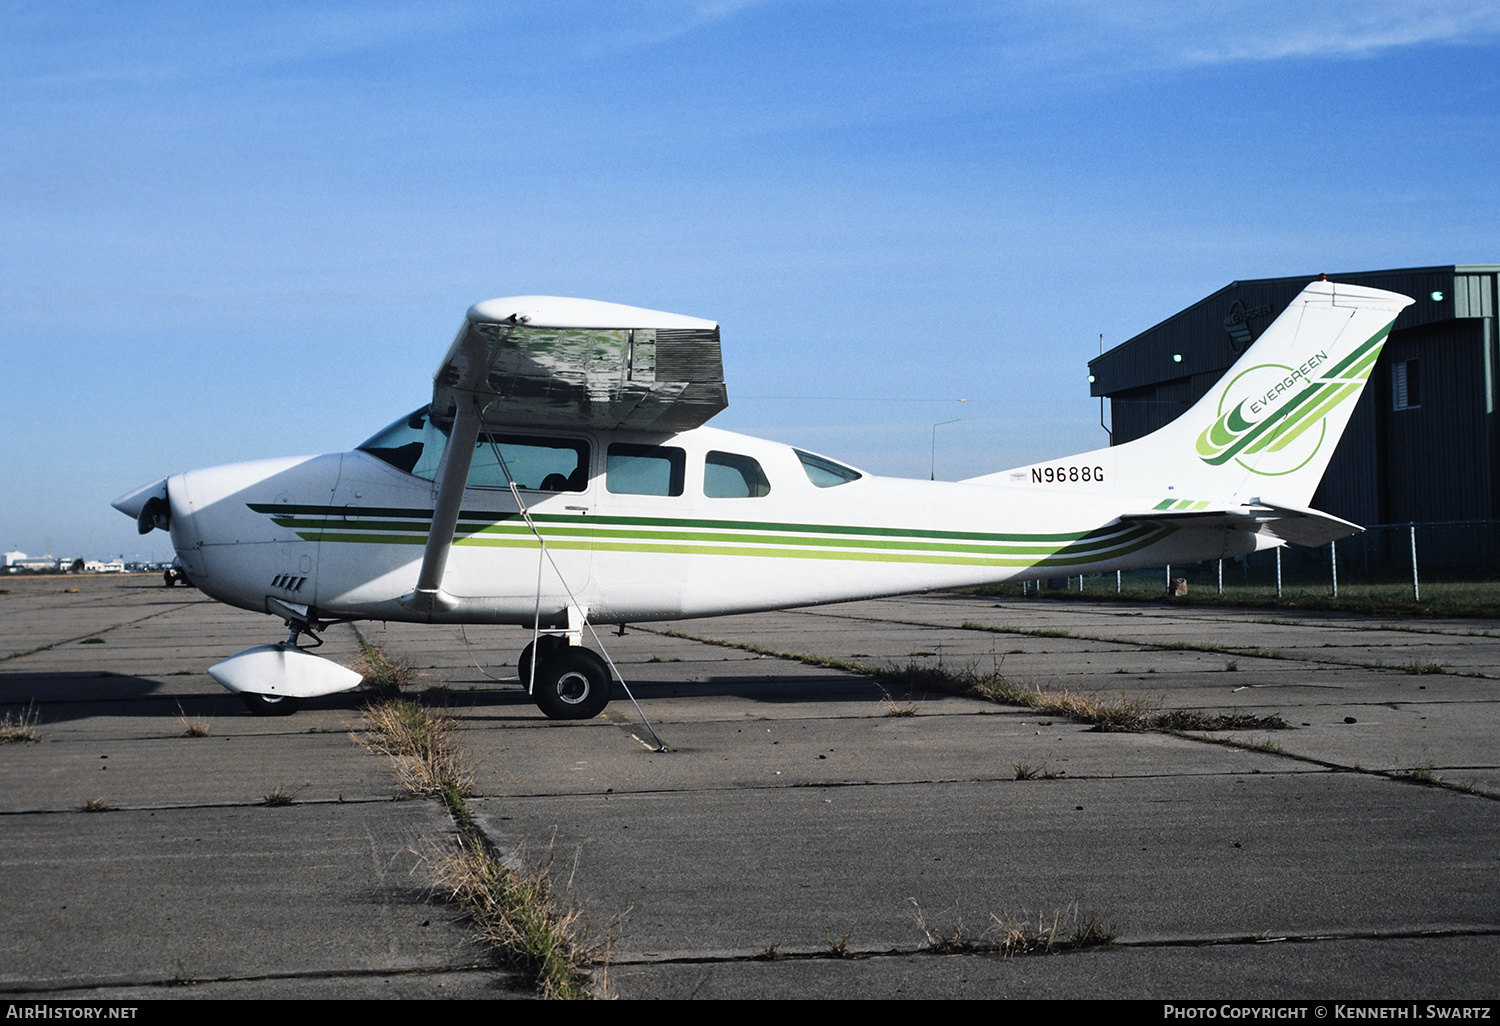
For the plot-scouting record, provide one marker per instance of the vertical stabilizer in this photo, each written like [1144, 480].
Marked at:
[1270, 425]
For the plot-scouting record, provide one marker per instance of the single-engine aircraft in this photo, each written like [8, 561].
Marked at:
[563, 473]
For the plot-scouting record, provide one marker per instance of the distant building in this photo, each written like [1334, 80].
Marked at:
[1423, 444]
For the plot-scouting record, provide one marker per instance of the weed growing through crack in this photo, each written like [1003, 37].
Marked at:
[948, 942]
[516, 912]
[420, 741]
[1026, 771]
[895, 708]
[1066, 930]
[384, 676]
[96, 805]
[1415, 667]
[1231, 665]
[1121, 714]
[277, 796]
[20, 728]
[513, 906]
[195, 727]
[839, 948]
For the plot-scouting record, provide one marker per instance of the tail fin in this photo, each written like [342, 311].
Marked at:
[1276, 417]
[1270, 425]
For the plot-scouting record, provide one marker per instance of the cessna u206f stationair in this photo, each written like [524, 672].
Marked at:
[562, 473]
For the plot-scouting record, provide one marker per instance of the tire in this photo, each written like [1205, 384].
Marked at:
[167, 579]
[550, 644]
[270, 705]
[572, 684]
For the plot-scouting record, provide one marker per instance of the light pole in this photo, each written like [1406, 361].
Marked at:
[932, 472]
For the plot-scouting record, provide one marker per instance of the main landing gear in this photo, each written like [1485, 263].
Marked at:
[572, 682]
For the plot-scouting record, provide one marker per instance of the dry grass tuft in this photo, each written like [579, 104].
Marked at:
[1067, 930]
[1188, 719]
[20, 728]
[839, 948]
[516, 912]
[1420, 668]
[420, 741]
[384, 676]
[895, 708]
[195, 727]
[1026, 771]
[1124, 713]
[277, 796]
[948, 942]
[96, 805]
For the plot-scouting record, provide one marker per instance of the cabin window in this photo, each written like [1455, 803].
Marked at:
[727, 475]
[824, 472]
[536, 464]
[645, 469]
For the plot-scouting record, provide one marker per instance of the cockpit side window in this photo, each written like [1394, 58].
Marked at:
[824, 472]
[415, 445]
[728, 475]
[537, 464]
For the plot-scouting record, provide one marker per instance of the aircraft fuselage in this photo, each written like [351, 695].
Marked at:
[748, 528]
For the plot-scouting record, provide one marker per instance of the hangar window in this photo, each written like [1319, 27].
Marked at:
[727, 475]
[1406, 385]
[645, 469]
[824, 472]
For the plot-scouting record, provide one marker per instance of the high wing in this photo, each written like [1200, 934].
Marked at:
[546, 360]
[550, 360]
[1288, 523]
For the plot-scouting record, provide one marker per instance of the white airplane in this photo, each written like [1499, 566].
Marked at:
[562, 474]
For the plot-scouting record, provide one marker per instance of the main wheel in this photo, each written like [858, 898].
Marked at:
[572, 684]
[550, 643]
[167, 579]
[270, 705]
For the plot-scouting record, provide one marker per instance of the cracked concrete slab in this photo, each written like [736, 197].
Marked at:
[800, 804]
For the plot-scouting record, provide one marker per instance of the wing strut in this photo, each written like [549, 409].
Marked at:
[452, 478]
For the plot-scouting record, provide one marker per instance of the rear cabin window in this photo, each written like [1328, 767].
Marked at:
[645, 469]
[824, 472]
[728, 475]
[415, 445]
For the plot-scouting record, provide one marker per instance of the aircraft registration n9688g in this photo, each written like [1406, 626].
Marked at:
[563, 473]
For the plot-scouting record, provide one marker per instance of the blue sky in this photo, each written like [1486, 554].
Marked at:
[235, 231]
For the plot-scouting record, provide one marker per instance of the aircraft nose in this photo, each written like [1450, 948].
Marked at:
[148, 506]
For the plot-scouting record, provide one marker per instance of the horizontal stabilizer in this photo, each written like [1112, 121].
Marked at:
[1287, 523]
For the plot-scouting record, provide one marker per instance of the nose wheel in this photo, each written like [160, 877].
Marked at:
[571, 683]
[270, 705]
